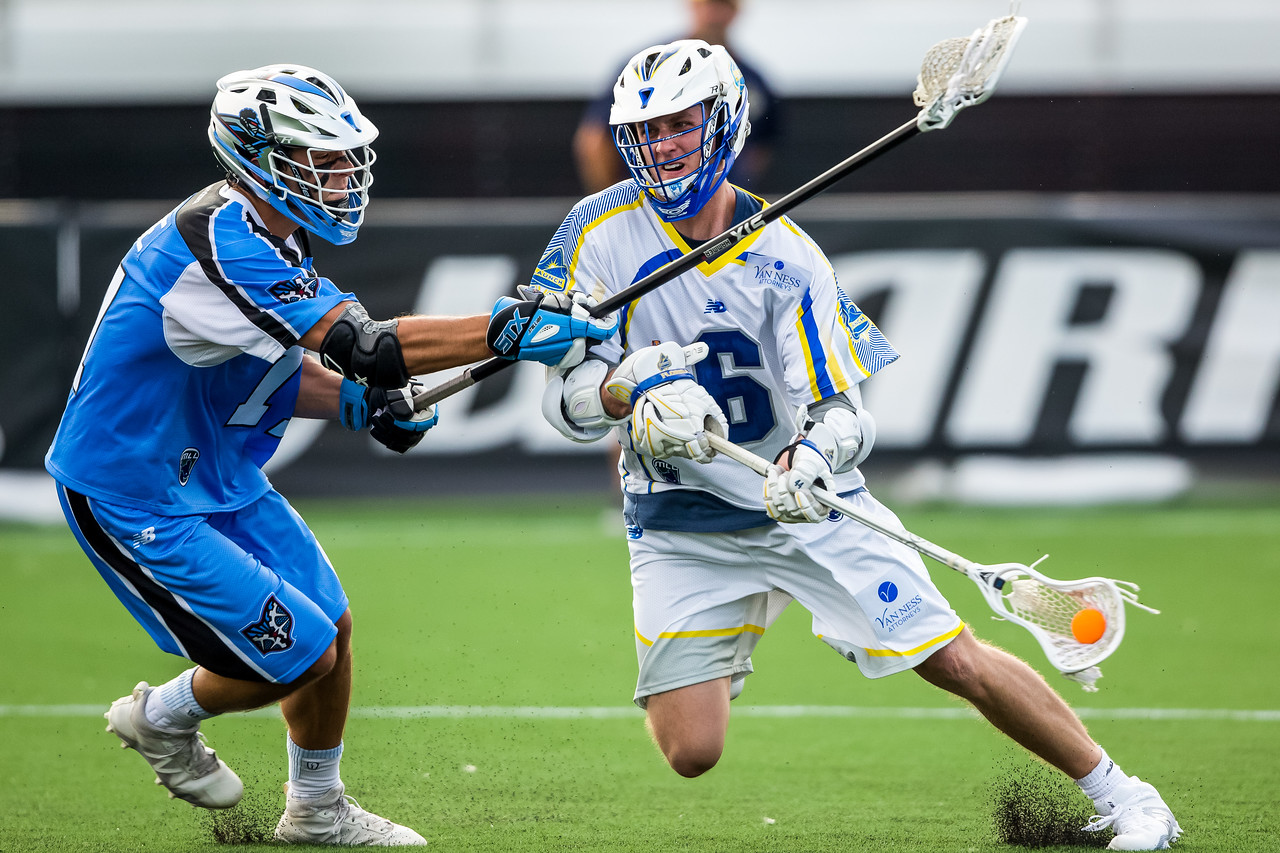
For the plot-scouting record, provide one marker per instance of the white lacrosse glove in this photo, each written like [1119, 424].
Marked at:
[787, 492]
[670, 412]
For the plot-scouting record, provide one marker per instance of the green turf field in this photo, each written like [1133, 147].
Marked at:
[495, 666]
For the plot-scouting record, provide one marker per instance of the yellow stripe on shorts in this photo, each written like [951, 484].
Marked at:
[890, 653]
[712, 632]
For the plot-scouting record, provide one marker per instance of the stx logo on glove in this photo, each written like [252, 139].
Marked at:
[511, 333]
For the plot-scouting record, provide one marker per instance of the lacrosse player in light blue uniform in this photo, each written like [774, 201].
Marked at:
[196, 364]
[738, 346]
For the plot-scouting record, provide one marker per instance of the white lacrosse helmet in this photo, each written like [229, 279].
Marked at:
[259, 115]
[666, 79]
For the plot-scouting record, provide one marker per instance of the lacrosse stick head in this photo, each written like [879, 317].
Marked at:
[961, 72]
[1046, 608]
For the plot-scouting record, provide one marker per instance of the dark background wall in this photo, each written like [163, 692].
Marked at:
[492, 149]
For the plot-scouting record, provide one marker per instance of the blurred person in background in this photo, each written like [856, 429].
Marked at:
[595, 157]
[197, 362]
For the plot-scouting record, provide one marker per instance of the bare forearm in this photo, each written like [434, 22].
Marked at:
[317, 391]
[437, 343]
[426, 343]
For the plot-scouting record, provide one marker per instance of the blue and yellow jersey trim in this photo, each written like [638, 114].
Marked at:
[555, 271]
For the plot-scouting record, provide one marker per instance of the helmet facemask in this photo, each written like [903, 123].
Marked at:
[674, 197]
[668, 80]
[340, 192]
[275, 129]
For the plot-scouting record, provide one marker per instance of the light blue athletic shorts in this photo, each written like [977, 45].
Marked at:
[703, 600]
[247, 594]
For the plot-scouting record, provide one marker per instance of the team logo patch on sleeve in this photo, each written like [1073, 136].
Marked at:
[870, 346]
[274, 631]
[551, 271]
[296, 289]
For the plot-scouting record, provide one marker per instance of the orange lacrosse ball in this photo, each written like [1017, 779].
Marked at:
[1088, 625]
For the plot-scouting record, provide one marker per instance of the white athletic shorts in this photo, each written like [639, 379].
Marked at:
[703, 600]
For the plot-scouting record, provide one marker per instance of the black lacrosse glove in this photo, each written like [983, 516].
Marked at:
[390, 416]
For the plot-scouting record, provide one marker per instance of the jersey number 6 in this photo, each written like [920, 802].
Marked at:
[745, 402]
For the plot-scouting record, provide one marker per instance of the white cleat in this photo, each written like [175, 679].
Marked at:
[338, 819]
[1138, 817]
[182, 762]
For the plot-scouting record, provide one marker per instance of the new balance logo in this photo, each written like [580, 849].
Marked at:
[144, 536]
[715, 306]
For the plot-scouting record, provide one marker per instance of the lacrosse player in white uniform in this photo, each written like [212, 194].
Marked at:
[761, 346]
[194, 368]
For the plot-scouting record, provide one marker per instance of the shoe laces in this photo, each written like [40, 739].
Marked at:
[1145, 803]
[348, 814]
[187, 752]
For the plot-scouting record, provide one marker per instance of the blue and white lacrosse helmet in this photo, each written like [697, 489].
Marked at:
[666, 79]
[258, 116]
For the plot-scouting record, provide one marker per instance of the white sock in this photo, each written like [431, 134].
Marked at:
[312, 772]
[172, 707]
[1101, 781]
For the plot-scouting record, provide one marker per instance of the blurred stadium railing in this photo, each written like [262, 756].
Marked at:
[1055, 348]
[1083, 276]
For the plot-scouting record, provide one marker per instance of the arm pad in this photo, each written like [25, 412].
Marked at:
[841, 429]
[364, 350]
[571, 402]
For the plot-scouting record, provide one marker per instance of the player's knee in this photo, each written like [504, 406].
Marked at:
[954, 667]
[336, 655]
[322, 666]
[691, 760]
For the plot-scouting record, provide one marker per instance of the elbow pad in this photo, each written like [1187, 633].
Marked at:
[571, 402]
[364, 350]
[844, 436]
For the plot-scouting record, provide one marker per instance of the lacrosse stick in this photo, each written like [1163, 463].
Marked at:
[1016, 592]
[956, 73]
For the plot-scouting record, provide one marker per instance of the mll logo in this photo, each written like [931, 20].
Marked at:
[887, 592]
[664, 469]
[185, 463]
[715, 306]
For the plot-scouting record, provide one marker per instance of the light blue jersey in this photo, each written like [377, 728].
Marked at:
[192, 370]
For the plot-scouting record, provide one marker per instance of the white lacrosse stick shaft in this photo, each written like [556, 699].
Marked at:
[947, 558]
[1015, 591]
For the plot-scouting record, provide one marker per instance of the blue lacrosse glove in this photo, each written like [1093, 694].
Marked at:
[389, 415]
[551, 328]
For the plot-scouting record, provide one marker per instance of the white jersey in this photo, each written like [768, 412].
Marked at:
[781, 335]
